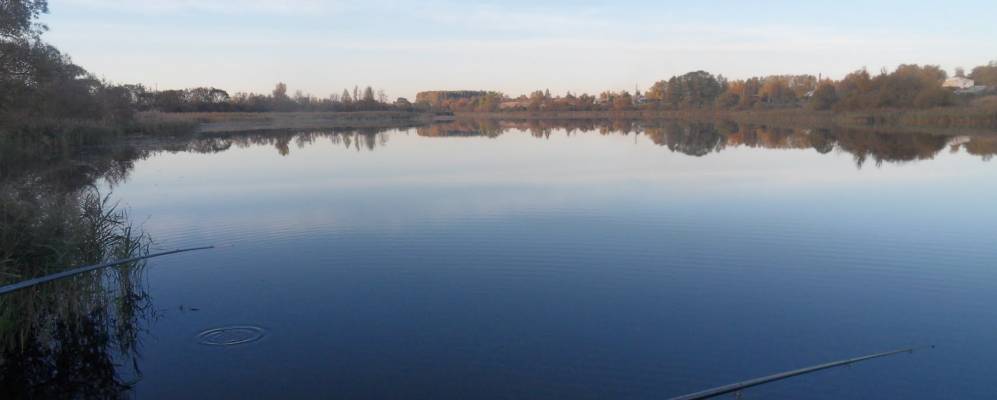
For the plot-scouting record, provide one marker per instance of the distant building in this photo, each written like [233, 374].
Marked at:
[638, 98]
[958, 83]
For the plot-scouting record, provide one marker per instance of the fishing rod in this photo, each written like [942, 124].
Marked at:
[76, 271]
[736, 387]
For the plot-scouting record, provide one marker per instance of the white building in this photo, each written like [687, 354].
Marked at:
[958, 83]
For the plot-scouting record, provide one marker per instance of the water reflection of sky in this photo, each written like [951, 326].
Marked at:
[571, 266]
[440, 176]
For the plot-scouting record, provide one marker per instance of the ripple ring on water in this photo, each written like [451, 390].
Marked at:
[231, 335]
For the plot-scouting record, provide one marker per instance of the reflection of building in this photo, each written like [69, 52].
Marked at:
[958, 83]
[959, 140]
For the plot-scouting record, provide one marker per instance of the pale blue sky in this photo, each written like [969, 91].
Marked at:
[512, 46]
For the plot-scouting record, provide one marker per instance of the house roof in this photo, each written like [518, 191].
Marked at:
[958, 82]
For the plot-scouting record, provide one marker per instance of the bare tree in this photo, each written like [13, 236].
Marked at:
[280, 91]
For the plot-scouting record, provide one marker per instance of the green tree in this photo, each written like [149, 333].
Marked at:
[490, 102]
[985, 75]
[906, 83]
[934, 97]
[777, 91]
[658, 91]
[694, 90]
[18, 19]
[537, 101]
[728, 100]
[824, 97]
[855, 91]
[623, 102]
[280, 91]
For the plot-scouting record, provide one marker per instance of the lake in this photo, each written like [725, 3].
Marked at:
[572, 259]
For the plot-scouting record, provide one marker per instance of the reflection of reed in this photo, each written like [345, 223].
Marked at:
[358, 139]
[63, 339]
[486, 128]
[984, 147]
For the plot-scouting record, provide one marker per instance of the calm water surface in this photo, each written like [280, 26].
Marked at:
[543, 263]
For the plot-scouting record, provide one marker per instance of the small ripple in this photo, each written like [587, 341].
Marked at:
[231, 335]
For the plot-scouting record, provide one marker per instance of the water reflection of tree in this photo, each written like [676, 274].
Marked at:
[694, 139]
[462, 128]
[66, 339]
[885, 147]
[983, 147]
[356, 139]
[697, 138]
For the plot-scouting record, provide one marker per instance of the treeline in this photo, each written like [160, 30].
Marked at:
[40, 85]
[907, 87]
[38, 81]
[209, 99]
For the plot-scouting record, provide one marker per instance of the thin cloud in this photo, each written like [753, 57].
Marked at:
[720, 40]
[512, 47]
[491, 18]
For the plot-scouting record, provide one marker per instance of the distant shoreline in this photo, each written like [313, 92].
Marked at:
[982, 117]
[946, 120]
[220, 122]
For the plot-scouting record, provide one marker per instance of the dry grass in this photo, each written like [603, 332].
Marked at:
[979, 115]
[238, 122]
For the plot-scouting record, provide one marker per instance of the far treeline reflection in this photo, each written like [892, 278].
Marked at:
[700, 138]
[68, 165]
[686, 137]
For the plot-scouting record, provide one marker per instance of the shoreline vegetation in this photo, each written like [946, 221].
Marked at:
[973, 121]
[220, 122]
[950, 120]
[981, 119]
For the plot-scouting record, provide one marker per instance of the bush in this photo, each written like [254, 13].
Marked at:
[728, 100]
[934, 97]
[824, 97]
